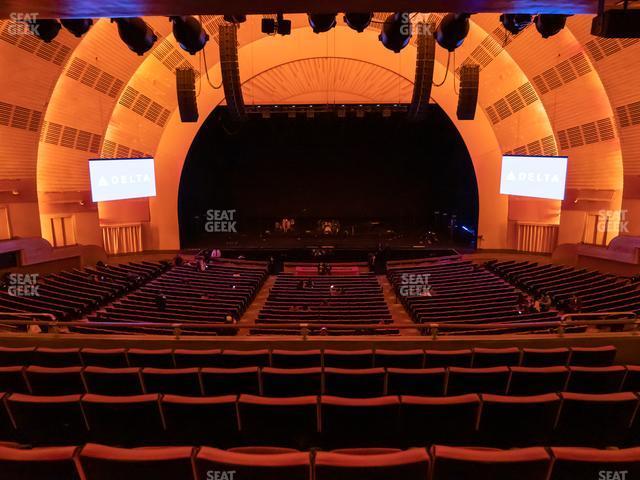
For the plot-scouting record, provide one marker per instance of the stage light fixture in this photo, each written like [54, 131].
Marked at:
[46, 30]
[77, 26]
[136, 34]
[271, 26]
[189, 33]
[358, 21]
[322, 22]
[235, 18]
[515, 22]
[452, 31]
[550, 24]
[396, 31]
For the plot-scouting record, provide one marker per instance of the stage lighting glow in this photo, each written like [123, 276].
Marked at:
[136, 34]
[77, 26]
[538, 177]
[358, 21]
[452, 31]
[122, 178]
[189, 34]
[396, 31]
[550, 24]
[515, 22]
[46, 30]
[322, 22]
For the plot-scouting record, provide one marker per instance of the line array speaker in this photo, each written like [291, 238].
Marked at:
[425, 59]
[186, 88]
[468, 97]
[228, 41]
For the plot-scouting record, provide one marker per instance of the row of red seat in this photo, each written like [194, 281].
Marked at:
[332, 422]
[100, 462]
[286, 382]
[599, 356]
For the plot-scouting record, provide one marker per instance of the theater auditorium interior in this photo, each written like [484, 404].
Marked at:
[320, 240]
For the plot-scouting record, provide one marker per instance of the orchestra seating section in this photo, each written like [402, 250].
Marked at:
[462, 292]
[597, 292]
[219, 294]
[325, 299]
[70, 295]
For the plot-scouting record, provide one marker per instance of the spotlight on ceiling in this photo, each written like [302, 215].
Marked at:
[550, 24]
[322, 22]
[452, 31]
[358, 21]
[46, 30]
[396, 31]
[77, 26]
[271, 26]
[515, 22]
[235, 18]
[136, 34]
[189, 33]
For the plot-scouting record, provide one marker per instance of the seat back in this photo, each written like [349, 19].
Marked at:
[593, 356]
[176, 381]
[447, 358]
[572, 463]
[52, 463]
[495, 357]
[113, 381]
[104, 357]
[245, 358]
[12, 379]
[11, 357]
[197, 358]
[537, 380]
[399, 358]
[56, 357]
[596, 379]
[291, 382]
[545, 357]
[493, 380]
[142, 358]
[55, 381]
[348, 358]
[412, 464]
[228, 381]
[296, 358]
[428, 382]
[354, 383]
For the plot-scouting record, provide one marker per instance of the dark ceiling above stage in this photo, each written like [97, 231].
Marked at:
[124, 8]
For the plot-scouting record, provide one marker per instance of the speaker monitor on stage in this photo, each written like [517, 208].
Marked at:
[468, 97]
[186, 89]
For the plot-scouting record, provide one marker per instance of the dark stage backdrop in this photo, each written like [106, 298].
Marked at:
[355, 170]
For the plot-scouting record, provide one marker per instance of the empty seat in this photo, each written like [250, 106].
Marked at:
[296, 358]
[43, 420]
[129, 420]
[113, 381]
[596, 379]
[578, 463]
[430, 420]
[7, 430]
[244, 358]
[176, 381]
[593, 356]
[399, 358]
[278, 466]
[104, 357]
[495, 357]
[632, 379]
[477, 380]
[354, 383]
[291, 382]
[197, 358]
[447, 358]
[12, 380]
[545, 357]
[359, 422]
[429, 382]
[595, 420]
[508, 422]
[451, 463]
[50, 463]
[11, 357]
[201, 420]
[57, 357]
[287, 422]
[411, 464]
[348, 358]
[55, 381]
[537, 380]
[143, 358]
[228, 381]
[100, 462]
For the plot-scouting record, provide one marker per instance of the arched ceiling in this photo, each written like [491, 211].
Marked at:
[564, 94]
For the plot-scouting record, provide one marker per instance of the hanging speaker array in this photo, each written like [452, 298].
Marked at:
[425, 59]
[468, 97]
[228, 41]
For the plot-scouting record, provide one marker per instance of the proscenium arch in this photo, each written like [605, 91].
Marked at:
[268, 53]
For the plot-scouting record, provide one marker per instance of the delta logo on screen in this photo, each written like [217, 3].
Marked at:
[538, 177]
[120, 179]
